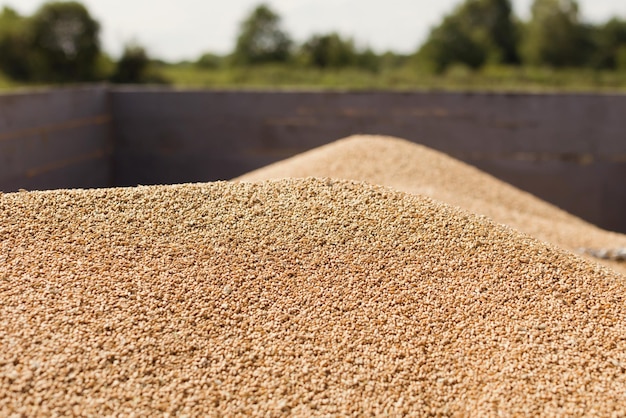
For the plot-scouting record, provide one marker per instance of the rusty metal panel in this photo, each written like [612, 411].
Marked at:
[55, 138]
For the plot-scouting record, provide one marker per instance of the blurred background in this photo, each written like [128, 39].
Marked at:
[396, 44]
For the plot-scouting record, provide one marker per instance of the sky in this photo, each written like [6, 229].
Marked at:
[177, 30]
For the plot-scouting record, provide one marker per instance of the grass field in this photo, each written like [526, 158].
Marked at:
[514, 79]
[490, 79]
[5, 83]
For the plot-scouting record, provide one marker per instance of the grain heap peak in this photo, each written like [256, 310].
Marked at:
[297, 296]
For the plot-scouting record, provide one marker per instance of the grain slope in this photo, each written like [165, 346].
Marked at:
[302, 297]
[416, 169]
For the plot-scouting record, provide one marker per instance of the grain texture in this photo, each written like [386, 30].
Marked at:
[416, 169]
[302, 297]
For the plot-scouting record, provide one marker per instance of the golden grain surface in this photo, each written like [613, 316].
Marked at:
[416, 169]
[302, 297]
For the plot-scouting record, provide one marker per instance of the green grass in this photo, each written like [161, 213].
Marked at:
[456, 79]
[6, 83]
[509, 79]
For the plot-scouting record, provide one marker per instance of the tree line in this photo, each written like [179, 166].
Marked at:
[483, 32]
[60, 43]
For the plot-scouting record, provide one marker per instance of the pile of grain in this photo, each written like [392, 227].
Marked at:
[309, 297]
[416, 169]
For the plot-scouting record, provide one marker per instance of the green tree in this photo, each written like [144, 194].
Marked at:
[261, 39]
[367, 59]
[14, 45]
[209, 61]
[449, 44]
[135, 67]
[555, 36]
[476, 33]
[610, 43]
[329, 51]
[393, 60]
[332, 51]
[620, 58]
[65, 43]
